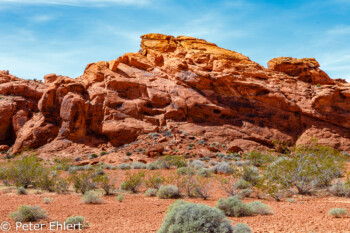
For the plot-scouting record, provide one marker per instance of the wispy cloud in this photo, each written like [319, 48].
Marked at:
[339, 30]
[77, 2]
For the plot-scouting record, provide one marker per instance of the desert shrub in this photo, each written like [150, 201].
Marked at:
[91, 197]
[120, 198]
[77, 221]
[168, 191]
[138, 165]
[124, 166]
[258, 159]
[257, 207]
[73, 169]
[21, 191]
[187, 183]
[151, 192]
[185, 171]
[154, 180]
[197, 164]
[105, 183]
[202, 187]
[311, 166]
[338, 212]
[160, 164]
[26, 171]
[242, 184]
[61, 186]
[227, 184]
[241, 228]
[251, 174]
[47, 181]
[204, 172]
[340, 189]
[83, 181]
[245, 193]
[223, 168]
[234, 207]
[27, 213]
[47, 200]
[152, 166]
[99, 172]
[175, 160]
[291, 200]
[183, 217]
[132, 182]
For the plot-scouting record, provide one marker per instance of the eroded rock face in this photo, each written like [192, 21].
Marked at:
[184, 84]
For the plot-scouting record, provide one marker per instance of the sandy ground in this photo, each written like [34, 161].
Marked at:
[138, 213]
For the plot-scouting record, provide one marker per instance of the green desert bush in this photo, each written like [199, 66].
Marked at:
[27, 213]
[47, 200]
[202, 187]
[340, 189]
[175, 160]
[83, 181]
[76, 221]
[138, 165]
[132, 182]
[251, 175]
[242, 184]
[259, 208]
[151, 192]
[61, 186]
[338, 212]
[204, 172]
[25, 171]
[245, 193]
[234, 207]
[241, 228]
[185, 171]
[154, 180]
[124, 166]
[105, 183]
[91, 197]
[120, 198]
[197, 164]
[310, 166]
[183, 217]
[168, 191]
[223, 168]
[258, 159]
[21, 191]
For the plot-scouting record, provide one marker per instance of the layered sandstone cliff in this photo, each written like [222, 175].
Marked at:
[184, 84]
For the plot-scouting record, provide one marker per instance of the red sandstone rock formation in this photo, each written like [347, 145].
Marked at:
[184, 83]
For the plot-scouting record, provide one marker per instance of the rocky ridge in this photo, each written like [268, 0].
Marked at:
[183, 87]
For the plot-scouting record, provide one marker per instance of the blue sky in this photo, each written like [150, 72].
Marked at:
[63, 36]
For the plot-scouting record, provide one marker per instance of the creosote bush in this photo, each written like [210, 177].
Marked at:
[338, 212]
[169, 191]
[120, 198]
[47, 200]
[75, 220]
[27, 213]
[132, 182]
[154, 180]
[83, 181]
[241, 228]
[310, 167]
[151, 192]
[21, 191]
[91, 197]
[234, 207]
[259, 208]
[183, 217]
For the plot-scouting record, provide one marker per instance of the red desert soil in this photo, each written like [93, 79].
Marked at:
[138, 213]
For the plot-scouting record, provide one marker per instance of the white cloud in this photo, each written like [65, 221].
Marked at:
[339, 30]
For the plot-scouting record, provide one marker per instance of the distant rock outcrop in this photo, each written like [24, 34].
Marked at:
[184, 83]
